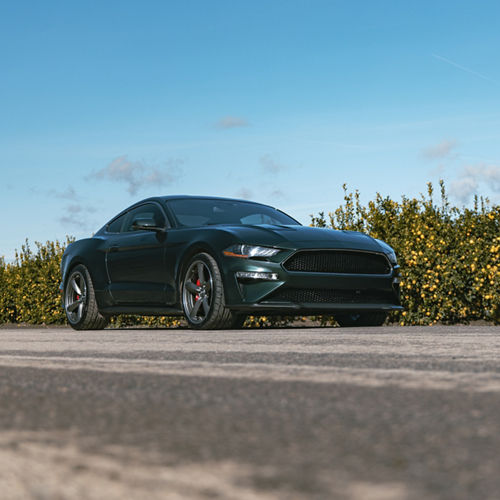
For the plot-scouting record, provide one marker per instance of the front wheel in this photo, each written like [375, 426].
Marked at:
[203, 295]
[361, 319]
[80, 304]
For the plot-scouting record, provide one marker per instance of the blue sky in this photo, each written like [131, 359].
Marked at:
[106, 103]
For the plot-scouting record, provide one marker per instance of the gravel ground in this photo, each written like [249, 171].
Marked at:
[372, 413]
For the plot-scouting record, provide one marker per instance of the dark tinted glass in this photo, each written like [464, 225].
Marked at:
[148, 211]
[203, 212]
[116, 225]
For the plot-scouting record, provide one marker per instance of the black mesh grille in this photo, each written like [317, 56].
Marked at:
[327, 296]
[338, 261]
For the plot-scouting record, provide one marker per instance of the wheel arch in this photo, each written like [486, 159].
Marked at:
[70, 264]
[191, 251]
[86, 252]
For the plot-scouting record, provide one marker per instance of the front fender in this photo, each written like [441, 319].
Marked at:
[90, 253]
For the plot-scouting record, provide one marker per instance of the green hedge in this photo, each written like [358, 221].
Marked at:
[449, 262]
[29, 287]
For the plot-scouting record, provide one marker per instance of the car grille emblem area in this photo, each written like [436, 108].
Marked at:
[338, 261]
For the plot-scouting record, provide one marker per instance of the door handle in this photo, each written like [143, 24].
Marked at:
[113, 248]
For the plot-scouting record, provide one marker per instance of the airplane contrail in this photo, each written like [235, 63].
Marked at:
[463, 68]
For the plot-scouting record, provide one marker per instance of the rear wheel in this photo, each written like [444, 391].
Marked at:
[203, 295]
[79, 301]
[361, 319]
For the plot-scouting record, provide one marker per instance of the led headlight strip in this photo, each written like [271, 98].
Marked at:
[249, 251]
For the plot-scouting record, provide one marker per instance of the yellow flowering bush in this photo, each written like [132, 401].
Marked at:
[449, 257]
[149, 321]
[29, 287]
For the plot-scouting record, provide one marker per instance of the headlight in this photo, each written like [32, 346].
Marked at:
[392, 257]
[249, 251]
[389, 251]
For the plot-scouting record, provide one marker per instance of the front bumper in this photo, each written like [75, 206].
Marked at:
[307, 292]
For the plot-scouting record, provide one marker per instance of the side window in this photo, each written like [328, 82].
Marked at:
[116, 225]
[147, 211]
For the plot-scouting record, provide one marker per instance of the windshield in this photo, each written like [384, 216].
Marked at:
[203, 212]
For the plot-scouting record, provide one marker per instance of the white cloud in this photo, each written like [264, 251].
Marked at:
[463, 187]
[470, 178]
[439, 151]
[67, 194]
[271, 166]
[76, 216]
[438, 171]
[244, 193]
[135, 174]
[277, 193]
[227, 122]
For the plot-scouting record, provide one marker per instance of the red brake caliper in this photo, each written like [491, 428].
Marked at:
[198, 283]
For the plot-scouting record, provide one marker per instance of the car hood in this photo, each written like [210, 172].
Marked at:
[302, 236]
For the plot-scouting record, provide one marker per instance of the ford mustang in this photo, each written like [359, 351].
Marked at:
[217, 260]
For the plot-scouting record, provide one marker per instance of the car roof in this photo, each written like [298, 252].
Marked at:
[160, 199]
[195, 197]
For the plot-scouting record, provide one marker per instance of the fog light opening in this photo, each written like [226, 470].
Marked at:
[254, 275]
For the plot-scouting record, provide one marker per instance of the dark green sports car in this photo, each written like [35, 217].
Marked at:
[216, 260]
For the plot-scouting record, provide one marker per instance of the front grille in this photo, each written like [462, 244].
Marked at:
[338, 261]
[329, 296]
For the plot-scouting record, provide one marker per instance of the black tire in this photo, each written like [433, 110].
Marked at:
[361, 319]
[202, 295]
[79, 301]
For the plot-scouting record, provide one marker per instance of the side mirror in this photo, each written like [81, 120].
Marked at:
[146, 224]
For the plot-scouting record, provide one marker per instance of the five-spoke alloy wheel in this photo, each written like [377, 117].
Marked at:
[203, 300]
[198, 291]
[79, 301]
[75, 297]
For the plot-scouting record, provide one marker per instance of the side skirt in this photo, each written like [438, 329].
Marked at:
[142, 310]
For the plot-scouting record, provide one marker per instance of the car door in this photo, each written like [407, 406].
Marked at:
[135, 259]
